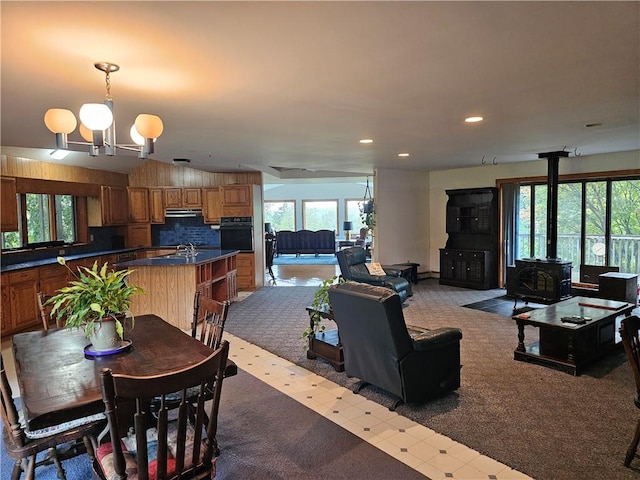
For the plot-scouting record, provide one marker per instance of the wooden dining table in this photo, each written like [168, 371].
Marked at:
[59, 383]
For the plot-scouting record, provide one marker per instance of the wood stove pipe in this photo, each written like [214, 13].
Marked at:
[553, 159]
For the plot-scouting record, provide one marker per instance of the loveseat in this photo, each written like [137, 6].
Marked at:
[379, 350]
[305, 241]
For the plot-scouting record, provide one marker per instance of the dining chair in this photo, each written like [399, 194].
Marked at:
[23, 445]
[45, 311]
[212, 316]
[158, 446]
[629, 331]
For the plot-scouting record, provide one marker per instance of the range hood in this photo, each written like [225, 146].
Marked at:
[182, 212]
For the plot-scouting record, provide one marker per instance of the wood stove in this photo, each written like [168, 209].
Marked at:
[546, 280]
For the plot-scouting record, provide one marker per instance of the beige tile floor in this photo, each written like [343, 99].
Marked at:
[428, 452]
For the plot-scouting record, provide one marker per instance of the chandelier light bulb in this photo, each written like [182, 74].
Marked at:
[60, 120]
[149, 126]
[96, 116]
[135, 136]
[85, 133]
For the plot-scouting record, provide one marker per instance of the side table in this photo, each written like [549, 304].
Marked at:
[325, 345]
[413, 273]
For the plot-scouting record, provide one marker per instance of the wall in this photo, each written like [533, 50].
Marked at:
[155, 174]
[486, 176]
[402, 209]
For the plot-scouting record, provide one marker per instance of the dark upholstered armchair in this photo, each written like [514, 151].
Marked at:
[352, 263]
[379, 350]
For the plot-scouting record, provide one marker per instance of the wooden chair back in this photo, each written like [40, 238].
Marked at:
[212, 315]
[24, 450]
[630, 331]
[45, 312]
[193, 443]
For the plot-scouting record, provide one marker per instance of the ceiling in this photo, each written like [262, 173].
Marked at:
[288, 88]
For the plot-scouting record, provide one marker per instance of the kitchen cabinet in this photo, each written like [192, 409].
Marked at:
[108, 209]
[19, 300]
[138, 204]
[237, 200]
[156, 205]
[138, 235]
[470, 257]
[211, 204]
[52, 278]
[246, 279]
[9, 213]
[175, 197]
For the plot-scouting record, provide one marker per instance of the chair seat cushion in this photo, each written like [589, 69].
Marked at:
[105, 457]
[62, 427]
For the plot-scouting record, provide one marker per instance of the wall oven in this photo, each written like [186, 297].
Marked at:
[236, 233]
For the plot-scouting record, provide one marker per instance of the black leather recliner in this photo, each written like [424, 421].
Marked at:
[352, 263]
[379, 350]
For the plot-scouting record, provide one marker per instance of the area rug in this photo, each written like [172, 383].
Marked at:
[540, 421]
[306, 259]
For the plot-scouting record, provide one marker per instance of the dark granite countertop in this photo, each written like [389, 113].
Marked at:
[52, 260]
[203, 256]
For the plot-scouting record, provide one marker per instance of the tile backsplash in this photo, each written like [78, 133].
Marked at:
[176, 231]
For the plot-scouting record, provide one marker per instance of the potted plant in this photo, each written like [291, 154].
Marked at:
[96, 301]
[319, 305]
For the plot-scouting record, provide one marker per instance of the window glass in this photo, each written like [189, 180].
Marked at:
[281, 215]
[38, 218]
[569, 224]
[540, 221]
[523, 244]
[65, 218]
[352, 214]
[595, 223]
[320, 214]
[625, 225]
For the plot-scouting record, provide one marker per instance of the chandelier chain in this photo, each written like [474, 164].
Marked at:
[108, 84]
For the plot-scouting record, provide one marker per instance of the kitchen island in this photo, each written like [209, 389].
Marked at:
[170, 282]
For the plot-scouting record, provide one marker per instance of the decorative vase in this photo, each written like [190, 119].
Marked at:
[104, 336]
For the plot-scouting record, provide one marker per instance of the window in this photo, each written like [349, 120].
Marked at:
[320, 214]
[598, 223]
[352, 214]
[48, 217]
[281, 215]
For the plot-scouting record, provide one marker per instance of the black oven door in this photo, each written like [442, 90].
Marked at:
[236, 238]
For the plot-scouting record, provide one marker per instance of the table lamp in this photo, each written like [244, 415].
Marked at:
[347, 227]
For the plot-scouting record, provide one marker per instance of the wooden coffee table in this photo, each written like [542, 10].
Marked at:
[566, 345]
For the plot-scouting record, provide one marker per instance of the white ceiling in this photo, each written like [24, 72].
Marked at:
[292, 86]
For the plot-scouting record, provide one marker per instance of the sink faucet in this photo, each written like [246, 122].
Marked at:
[187, 250]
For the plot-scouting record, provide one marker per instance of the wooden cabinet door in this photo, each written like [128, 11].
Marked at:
[138, 235]
[246, 278]
[9, 213]
[138, 205]
[191, 197]
[236, 195]
[172, 198]
[156, 205]
[52, 278]
[6, 318]
[211, 205]
[23, 288]
[117, 206]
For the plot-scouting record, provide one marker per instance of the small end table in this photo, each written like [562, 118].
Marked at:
[325, 345]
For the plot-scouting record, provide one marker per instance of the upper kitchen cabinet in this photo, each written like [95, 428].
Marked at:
[9, 213]
[138, 205]
[237, 200]
[182, 197]
[156, 205]
[211, 205]
[108, 209]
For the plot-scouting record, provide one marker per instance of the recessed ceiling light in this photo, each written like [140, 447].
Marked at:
[59, 154]
[403, 154]
[366, 140]
[473, 119]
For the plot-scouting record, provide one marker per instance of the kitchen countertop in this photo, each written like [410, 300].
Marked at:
[203, 256]
[52, 260]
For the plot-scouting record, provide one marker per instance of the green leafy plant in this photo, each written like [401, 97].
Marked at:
[97, 293]
[320, 301]
[367, 214]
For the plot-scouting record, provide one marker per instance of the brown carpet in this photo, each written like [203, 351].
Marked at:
[543, 422]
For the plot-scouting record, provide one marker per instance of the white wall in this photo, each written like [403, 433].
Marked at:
[402, 217]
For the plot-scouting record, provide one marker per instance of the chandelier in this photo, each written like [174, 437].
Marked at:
[98, 126]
